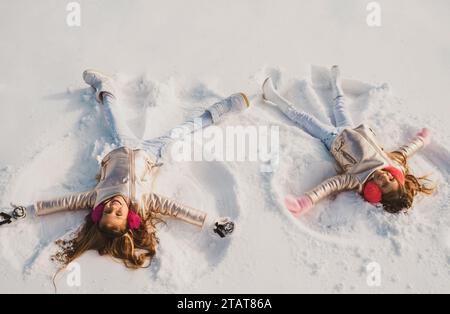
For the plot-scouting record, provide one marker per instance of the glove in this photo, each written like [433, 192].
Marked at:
[224, 227]
[298, 206]
[425, 134]
[18, 212]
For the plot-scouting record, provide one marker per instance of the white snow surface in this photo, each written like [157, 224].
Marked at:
[170, 60]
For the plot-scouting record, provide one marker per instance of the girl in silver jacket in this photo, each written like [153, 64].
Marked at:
[380, 177]
[123, 210]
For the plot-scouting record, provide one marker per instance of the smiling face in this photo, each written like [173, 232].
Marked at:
[385, 181]
[115, 215]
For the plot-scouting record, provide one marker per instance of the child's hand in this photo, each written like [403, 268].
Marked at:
[425, 134]
[224, 227]
[298, 206]
[17, 213]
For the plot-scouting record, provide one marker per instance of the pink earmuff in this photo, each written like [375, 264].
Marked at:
[372, 193]
[134, 220]
[97, 213]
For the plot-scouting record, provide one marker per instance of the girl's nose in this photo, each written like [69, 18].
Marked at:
[116, 205]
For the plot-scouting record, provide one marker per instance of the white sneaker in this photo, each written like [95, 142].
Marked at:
[336, 84]
[234, 103]
[102, 83]
[269, 91]
[271, 96]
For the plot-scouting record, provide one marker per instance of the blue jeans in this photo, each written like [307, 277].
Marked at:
[123, 136]
[326, 133]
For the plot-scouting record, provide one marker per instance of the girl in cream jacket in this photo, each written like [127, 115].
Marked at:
[379, 177]
[123, 210]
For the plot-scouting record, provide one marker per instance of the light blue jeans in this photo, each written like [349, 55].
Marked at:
[326, 133]
[123, 136]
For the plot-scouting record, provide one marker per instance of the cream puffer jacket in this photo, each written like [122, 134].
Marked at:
[359, 155]
[129, 173]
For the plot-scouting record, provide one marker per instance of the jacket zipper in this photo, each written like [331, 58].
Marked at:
[349, 157]
[132, 176]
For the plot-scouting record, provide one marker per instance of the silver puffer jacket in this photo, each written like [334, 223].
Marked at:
[359, 155]
[130, 173]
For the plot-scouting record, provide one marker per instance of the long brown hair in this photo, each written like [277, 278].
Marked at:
[134, 248]
[402, 199]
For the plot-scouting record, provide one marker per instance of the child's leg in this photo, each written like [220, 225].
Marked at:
[310, 124]
[212, 115]
[158, 146]
[104, 94]
[341, 114]
[120, 131]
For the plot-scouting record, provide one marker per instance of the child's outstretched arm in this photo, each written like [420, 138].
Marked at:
[421, 140]
[167, 207]
[85, 200]
[336, 184]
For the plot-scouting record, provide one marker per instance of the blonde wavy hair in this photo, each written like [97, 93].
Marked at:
[402, 199]
[134, 248]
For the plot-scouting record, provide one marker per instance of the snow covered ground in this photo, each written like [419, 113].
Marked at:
[172, 58]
